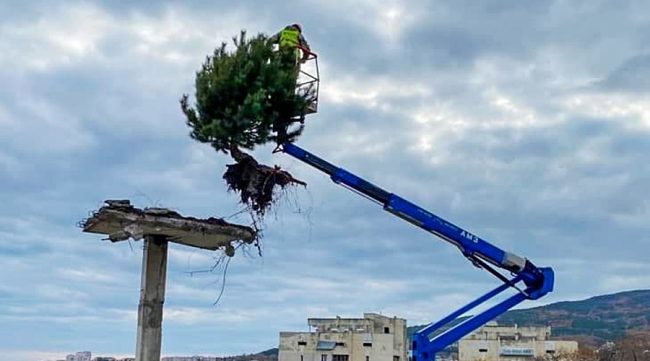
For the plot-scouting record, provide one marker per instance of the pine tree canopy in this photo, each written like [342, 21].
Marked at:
[247, 96]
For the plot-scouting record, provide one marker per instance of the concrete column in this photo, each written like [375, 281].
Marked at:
[152, 297]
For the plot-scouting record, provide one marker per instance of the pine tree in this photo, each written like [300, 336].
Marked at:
[247, 97]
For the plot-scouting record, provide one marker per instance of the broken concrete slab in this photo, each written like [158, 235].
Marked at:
[120, 221]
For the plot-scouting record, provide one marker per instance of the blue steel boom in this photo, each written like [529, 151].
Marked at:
[530, 281]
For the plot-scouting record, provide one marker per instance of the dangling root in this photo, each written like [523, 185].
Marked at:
[256, 182]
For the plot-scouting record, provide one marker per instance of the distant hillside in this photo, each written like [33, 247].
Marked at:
[594, 320]
[266, 355]
[600, 318]
[270, 352]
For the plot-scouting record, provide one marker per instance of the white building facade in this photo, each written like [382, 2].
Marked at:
[511, 343]
[371, 338]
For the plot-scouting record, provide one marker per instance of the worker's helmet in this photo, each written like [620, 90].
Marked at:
[297, 26]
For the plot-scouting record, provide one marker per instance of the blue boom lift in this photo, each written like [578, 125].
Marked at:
[529, 281]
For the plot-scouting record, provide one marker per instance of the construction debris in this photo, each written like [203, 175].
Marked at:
[120, 220]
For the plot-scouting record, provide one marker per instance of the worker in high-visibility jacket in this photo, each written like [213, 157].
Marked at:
[290, 38]
[293, 50]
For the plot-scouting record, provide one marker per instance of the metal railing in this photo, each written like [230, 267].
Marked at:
[309, 77]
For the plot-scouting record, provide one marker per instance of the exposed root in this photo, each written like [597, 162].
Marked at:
[256, 182]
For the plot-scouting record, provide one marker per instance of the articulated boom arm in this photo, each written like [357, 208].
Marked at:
[530, 281]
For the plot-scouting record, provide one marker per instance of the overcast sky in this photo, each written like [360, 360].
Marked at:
[525, 122]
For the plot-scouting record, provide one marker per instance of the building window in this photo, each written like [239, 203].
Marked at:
[342, 344]
[550, 351]
[482, 350]
[302, 358]
[339, 357]
[395, 358]
[302, 343]
[323, 357]
[367, 344]
[386, 330]
[367, 358]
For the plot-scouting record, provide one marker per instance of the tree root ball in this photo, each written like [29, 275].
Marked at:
[256, 182]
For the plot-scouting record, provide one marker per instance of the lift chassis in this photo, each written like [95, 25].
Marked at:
[530, 282]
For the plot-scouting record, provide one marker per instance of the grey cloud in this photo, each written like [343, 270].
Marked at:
[633, 75]
[22, 11]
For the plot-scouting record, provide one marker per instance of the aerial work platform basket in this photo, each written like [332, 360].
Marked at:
[309, 78]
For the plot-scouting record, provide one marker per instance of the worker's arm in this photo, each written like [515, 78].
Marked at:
[304, 45]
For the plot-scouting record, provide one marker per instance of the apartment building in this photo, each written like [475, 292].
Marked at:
[371, 338]
[493, 342]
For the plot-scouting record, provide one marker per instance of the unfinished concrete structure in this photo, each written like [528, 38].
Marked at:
[371, 338]
[157, 226]
[511, 343]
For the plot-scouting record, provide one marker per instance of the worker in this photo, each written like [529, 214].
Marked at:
[291, 38]
[293, 50]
